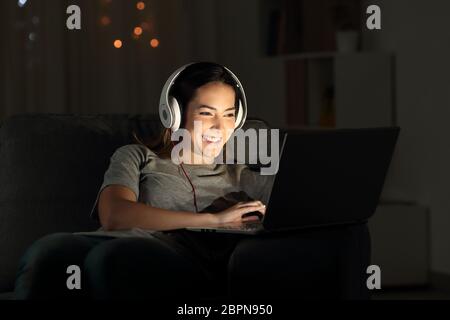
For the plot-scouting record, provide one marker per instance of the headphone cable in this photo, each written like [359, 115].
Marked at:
[190, 182]
[193, 189]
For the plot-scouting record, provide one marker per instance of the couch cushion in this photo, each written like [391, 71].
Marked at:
[52, 166]
[6, 295]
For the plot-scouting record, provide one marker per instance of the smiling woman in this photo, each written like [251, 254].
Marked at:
[147, 195]
[174, 190]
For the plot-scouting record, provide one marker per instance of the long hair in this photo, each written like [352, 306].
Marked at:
[184, 90]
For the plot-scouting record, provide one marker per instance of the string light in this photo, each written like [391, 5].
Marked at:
[154, 43]
[138, 31]
[118, 44]
[140, 5]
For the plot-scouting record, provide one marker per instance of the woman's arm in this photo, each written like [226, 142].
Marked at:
[118, 209]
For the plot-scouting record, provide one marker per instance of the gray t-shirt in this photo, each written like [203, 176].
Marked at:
[161, 183]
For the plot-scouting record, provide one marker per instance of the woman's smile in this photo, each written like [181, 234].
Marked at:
[211, 139]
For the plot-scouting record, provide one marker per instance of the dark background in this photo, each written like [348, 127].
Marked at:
[294, 60]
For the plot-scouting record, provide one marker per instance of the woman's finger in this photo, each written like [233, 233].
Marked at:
[251, 218]
[250, 203]
[245, 210]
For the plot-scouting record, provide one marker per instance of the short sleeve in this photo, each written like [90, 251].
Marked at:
[124, 169]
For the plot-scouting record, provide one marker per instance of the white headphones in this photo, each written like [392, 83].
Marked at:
[170, 111]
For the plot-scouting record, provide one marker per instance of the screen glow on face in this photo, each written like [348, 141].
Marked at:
[213, 106]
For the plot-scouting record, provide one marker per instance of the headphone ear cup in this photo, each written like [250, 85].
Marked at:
[238, 122]
[166, 115]
[176, 113]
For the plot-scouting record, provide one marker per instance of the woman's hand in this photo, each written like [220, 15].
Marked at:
[235, 212]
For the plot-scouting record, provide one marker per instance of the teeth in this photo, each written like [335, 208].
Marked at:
[211, 138]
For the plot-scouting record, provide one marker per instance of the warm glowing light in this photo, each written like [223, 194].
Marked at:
[118, 44]
[105, 20]
[140, 5]
[154, 43]
[138, 31]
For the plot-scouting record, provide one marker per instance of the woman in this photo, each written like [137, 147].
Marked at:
[146, 200]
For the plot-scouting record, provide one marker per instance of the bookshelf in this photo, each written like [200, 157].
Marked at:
[338, 90]
[290, 87]
[303, 26]
[328, 82]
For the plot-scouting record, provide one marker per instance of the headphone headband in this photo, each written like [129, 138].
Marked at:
[169, 109]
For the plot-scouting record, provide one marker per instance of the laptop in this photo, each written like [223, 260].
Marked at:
[325, 177]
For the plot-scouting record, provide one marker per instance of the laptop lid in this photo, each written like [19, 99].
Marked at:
[330, 176]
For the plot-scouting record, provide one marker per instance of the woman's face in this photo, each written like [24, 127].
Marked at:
[213, 107]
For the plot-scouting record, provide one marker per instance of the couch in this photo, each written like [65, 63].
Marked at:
[52, 166]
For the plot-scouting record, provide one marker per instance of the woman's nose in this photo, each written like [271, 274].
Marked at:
[219, 123]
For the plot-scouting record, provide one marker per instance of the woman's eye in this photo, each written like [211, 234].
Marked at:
[231, 115]
[205, 113]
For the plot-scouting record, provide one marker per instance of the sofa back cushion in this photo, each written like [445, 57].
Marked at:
[51, 168]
